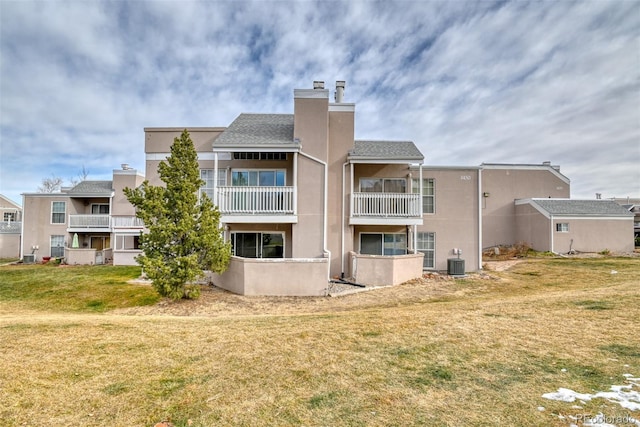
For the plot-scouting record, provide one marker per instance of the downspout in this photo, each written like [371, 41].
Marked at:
[324, 216]
[22, 228]
[342, 222]
[480, 200]
[551, 233]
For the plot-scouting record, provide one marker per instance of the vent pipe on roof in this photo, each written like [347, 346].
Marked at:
[125, 166]
[339, 91]
[598, 196]
[317, 84]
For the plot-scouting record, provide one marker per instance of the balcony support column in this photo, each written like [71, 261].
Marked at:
[215, 178]
[295, 183]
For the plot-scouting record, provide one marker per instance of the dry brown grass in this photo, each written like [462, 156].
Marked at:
[479, 351]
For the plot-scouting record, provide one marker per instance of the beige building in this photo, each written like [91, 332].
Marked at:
[90, 223]
[10, 228]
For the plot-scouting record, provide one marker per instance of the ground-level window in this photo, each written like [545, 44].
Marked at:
[426, 243]
[383, 243]
[9, 216]
[58, 211]
[57, 246]
[428, 194]
[562, 227]
[258, 245]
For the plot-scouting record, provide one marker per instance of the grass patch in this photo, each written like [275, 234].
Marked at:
[594, 305]
[72, 289]
[483, 355]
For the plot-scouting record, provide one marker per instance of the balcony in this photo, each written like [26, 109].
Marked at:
[386, 209]
[126, 222]
[83, 223]
[256, 204]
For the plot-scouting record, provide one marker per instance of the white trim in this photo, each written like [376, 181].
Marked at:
[385, 221]
[342, 108]
[311, 93]
[479, 212]
[205, 156]
[252, 219]
[64, 219]
[591, 218]
[369, 160]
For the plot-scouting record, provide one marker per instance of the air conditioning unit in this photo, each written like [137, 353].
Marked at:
[29, 259]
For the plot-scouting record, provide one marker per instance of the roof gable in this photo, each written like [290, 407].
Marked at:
[92, 187]
[259, 131]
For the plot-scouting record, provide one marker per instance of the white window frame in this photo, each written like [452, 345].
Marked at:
[9, 217]
[382, 237]
[562, 227]
[222, 181]
[382, 184]
[64, 212]
[59, 240]
[102, 205]
[415, 184]
[421, 242]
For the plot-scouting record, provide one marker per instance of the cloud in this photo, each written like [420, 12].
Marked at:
[469, 82]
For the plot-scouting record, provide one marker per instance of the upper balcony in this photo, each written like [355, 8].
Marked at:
[102, 223]
[257, 204]
[386, 209]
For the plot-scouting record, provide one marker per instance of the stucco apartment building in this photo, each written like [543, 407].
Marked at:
[304, 202]
[10, 228]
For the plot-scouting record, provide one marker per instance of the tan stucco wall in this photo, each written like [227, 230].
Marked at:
[455, 221]
[123, 257]
[504, 186]
[594, 235]
[124, 179]
[377, 270]
[80, 256]
[37, 223]
[284, 277]
[533, 228]
[9, 245]
[307, 234]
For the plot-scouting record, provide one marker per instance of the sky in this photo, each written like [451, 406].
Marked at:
[468, 82]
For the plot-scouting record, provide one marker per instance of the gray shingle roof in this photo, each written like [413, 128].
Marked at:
[385, 150]
[582, 207]
[259, 130]
[92, 187]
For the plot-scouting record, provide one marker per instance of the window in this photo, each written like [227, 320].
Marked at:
[99, 209]
[426, 243]
[9, 216]
[383, 243]
[260, 156]
[383, 185]
[428, 194]
[562, 227]
[258, 178]
[207, 176]
[57, 246]
[58, 211]
[258, 245]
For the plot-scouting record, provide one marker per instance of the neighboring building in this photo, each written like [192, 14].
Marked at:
[90, 223]
[566, 226]
[633, 206]
[10, 228]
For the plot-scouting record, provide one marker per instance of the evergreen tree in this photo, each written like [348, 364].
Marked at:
[184, 236]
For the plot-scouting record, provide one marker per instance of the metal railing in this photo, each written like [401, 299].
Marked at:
[255, 200]
[386, 204]
[126, 222]
[89, 221]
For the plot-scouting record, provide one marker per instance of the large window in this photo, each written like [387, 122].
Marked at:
[383, 243]
[207, 175]
[258, 178]
[428, 194]
[57, 246]
[258, 245]
[383, 185]
[426, 243]
[58, 211]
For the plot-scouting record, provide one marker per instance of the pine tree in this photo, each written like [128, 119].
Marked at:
[184, 237]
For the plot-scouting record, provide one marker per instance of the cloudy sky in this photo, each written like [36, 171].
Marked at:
[468, 82]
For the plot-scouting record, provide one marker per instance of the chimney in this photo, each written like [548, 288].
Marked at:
[598, 196]
[317, 84]
[339, 91]
[125, 166]
[547, 163]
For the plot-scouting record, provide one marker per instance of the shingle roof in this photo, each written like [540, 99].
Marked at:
[385, 150]
[260, 130]
[92, 187]
[582, 207]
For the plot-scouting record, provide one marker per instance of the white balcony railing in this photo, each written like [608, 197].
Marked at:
[126, 222]
[89, 221]
[386, 205]
[256, 200]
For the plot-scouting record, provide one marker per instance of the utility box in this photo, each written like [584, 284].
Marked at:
[455, 267]
[29, 259]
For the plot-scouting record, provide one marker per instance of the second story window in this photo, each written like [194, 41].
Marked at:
[58, 212]
[99, 209]
[258, 178]
[260, 156]
[207, 175]
[428, 194]
[9, 216]
[383, 185]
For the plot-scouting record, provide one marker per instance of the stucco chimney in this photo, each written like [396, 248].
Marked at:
[317, 84]
[339, 91]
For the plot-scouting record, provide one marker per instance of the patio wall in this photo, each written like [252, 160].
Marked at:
[125, 257]
[384, 270]
[281, 276]
[80, 256]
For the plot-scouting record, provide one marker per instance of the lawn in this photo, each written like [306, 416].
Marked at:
[480, 351]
